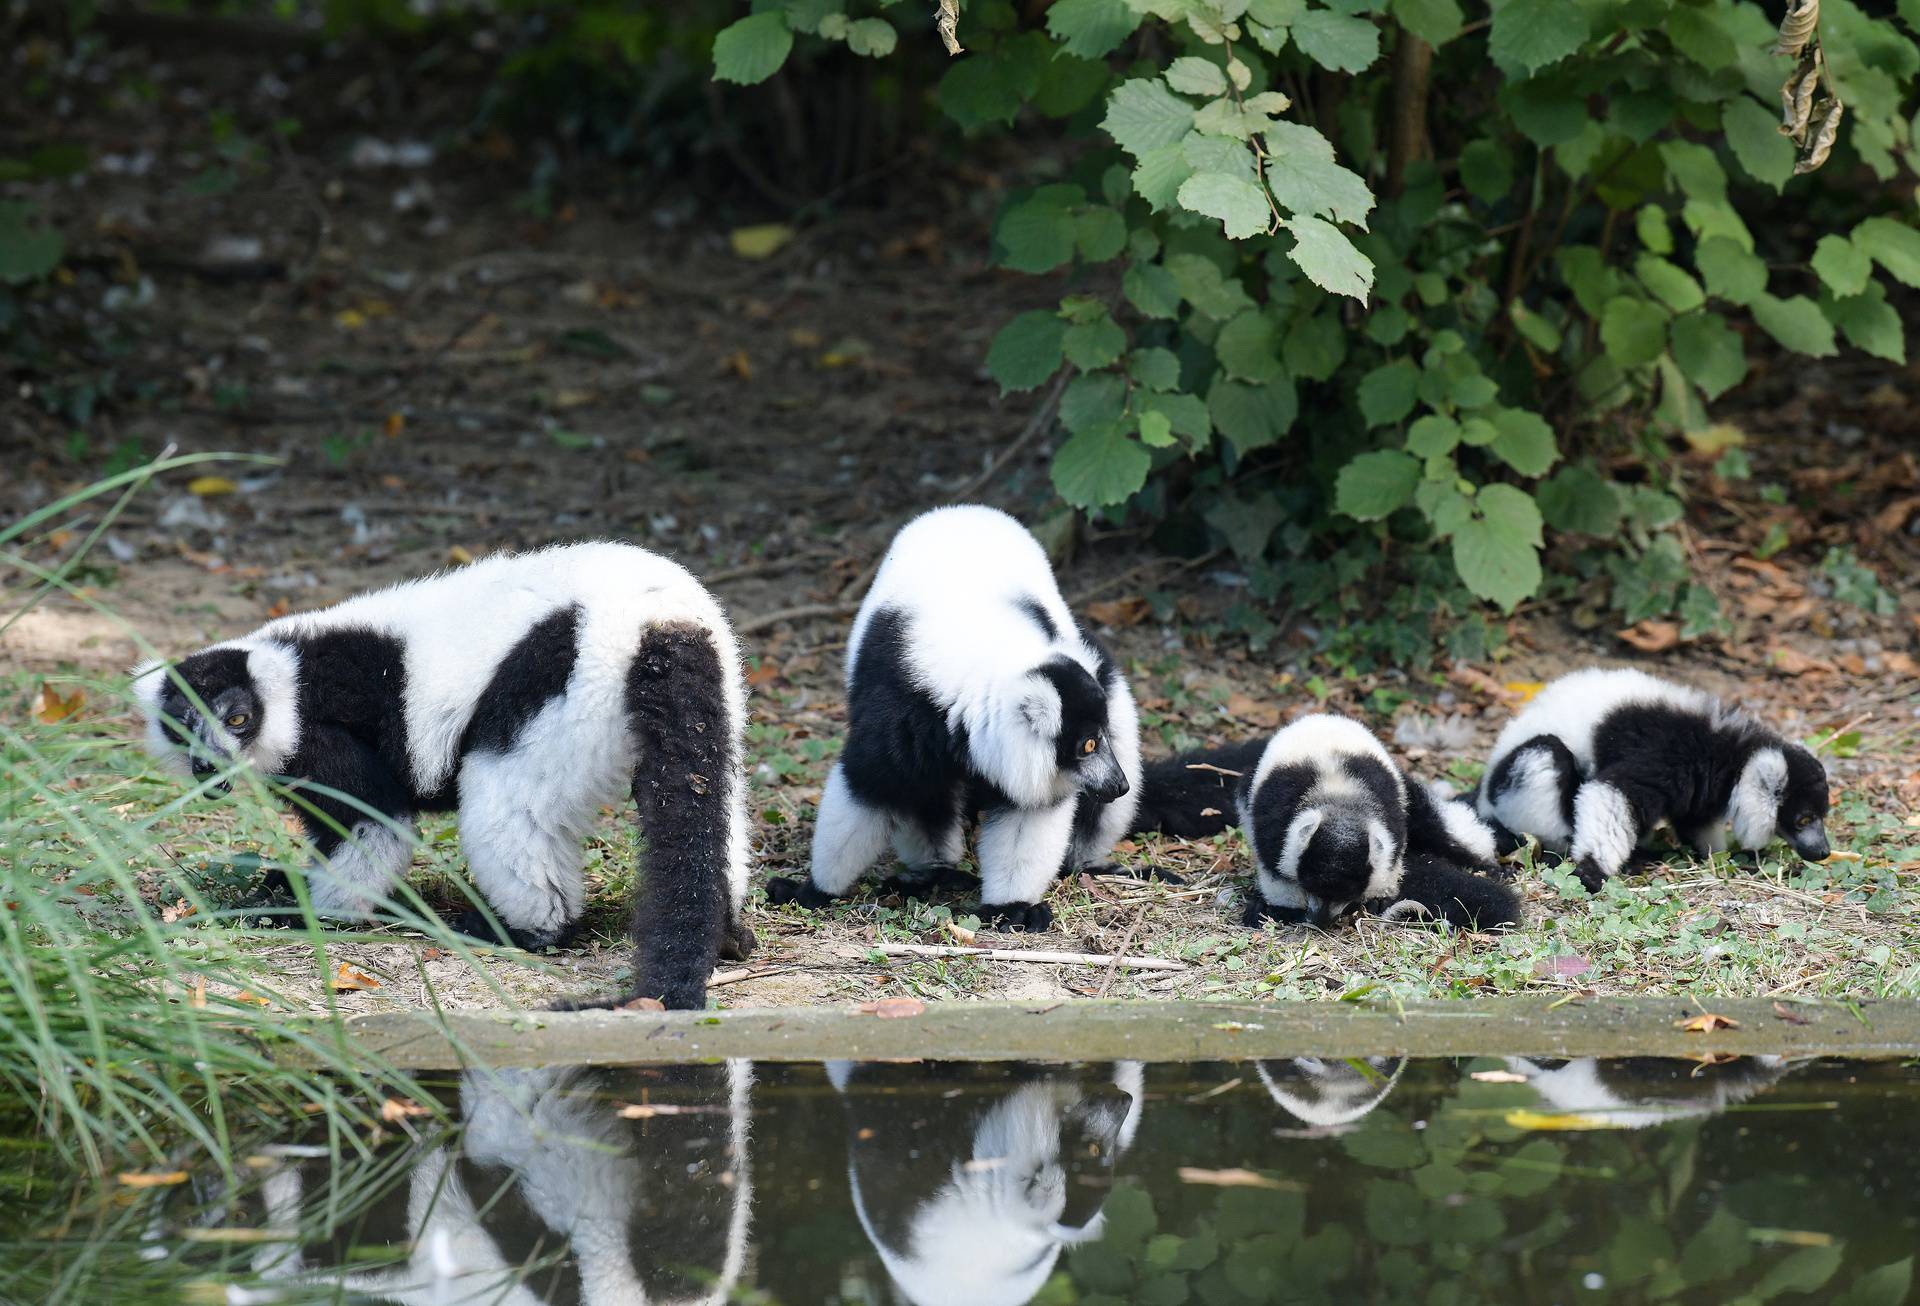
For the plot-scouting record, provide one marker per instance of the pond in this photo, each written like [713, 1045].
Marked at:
[1381, 1179]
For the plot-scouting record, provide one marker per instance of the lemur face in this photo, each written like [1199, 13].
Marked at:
[1803, 805]
[1341, 854]
[231, 723]
[1082, 748]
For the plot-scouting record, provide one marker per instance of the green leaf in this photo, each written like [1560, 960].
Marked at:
[1634, 331]
[1894, 245]
[1650, 224]
[1329, 258]
[1734, 274]
[1154, 368]
[1432, 436]
[1248, 348]
[1434, 21]
[1699, 34]
[1533, 328]
[1193, 75]
[1208, 289]
[1577, 499]
[1886, 1286]
[1186, 415]
[1026, 351]
[1336, 41]
[1091, 401]
[27, 253]
[872, 37]
[1303, 176]
[1525, 442]
[1669, 284]
[1100, 233]
[1709, 352]
[1239, 204]
[1151, 289]
[1091, 28]
[1100, 466]
[1251, 416]
[1387, 392]
[1486, 170]
[1156, 431]
[1546, 110]
[1805, 1270]
[980, 90]
[1158, 175]
[1871, 324]
[1842, 265]
[1497, 552]
[1754, 133]
[1376, 485]
[1531, 34]
[1693, 168]
[1315, 347]
[1217, 154]
[1143, 114]
[1096, 344]
[1797, 323]
[1070, 84]
[1037, 233]
[752, 49]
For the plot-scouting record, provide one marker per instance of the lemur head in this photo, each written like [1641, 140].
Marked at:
[220, 706]
[1340, 854]
[1802, 821]
[1065, 709]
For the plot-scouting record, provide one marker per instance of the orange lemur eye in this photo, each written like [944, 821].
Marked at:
[1089, 745]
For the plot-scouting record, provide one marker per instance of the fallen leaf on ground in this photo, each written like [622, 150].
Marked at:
[1705, 1023]
[767, 671]
[1233, 1177]
[1651, 636]
[1497, 1077]
[1790, 661]
[1789, 1015]
[208, 487]
[894, 1008]
[1558, 1122]
[739, 364]
[1561, 967]
[251, 998]
[395, 423]
[1524, 690]
[179, 911]
[762, 240]
[1120, 612]
[56, 707]
[459, 556]
[347, 979]
[1242, 708]
[642, 1004]
[960, 934]
[151, 1178]
[395, 1109]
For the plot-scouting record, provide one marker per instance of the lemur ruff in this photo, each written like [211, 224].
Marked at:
[524, 691]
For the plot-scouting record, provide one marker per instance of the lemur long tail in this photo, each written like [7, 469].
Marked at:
[1194, 795]
[1470, 901]
[685, 784]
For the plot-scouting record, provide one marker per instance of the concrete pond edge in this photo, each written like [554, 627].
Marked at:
[1147, 1031]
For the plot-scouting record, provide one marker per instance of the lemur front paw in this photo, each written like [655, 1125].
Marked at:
[1259, 911]
[475, 925]
[783, 890]
[1147, 871]
[1032, 917]
[923, 882]
[1588, 872]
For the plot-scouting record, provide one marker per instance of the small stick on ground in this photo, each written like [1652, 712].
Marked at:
[1106, 981]
[1039, 957]
[768, 621]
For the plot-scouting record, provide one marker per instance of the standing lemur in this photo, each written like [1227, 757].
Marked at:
[1333, 823]
[971, 690]
[526, 691]
[1601, 756]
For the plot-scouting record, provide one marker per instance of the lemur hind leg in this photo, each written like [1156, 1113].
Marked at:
[848, 838]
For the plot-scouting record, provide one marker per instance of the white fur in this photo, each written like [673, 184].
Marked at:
[1572, 707]
[1753, 809]
[1464, 827]
[1330, 1094]
[1530, 802]
[275, 671]
[1604, 829]
[522, 815]
[848, 836]
[1577, 1088]
[362, 871]
[1318, 740]
[1021, 851]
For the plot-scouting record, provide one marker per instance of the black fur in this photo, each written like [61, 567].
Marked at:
[1446, 890]
[1177, 796]
[1031, 606]
[1566, 771]
[1427, 831]
[1334, 865]
[1083, 708]
[899, 753]
[534, 672]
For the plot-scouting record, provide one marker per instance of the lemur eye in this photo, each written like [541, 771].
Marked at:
[1087, 746]
[238, 719]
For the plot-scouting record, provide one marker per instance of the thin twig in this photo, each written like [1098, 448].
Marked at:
[1106, 981]
[1035, 425]
[1217, 770]
[754, 625]
[1151, 564]
[1039, 958]
[765, 567]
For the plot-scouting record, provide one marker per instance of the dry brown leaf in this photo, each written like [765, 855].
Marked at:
[179, 911]
[739, 364]
[1524, 690]
[766, 672]
[1789, 1015]
[642, 1004]
[894, 1008]
[348, 980]
[396, 1109]
[1232, 1177]
[56, 707]
[1120, 612]
[250, 998]
[1252, 711]
[459, 556]
[1705, 1023]
[280, 607]
[1651, 636]
[960, 934]
[151, 1178]
[1900, 664]
[1790, 661]
[1479, 681]
[394, 425]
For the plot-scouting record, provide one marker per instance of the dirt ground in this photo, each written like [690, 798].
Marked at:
[438, 376]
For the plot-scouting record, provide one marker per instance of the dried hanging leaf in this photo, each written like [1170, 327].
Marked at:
[1233, 1177]
[1796, 99]
[347, 979]
[151, 1178]
[56, 707]
[396, 1109]
[1796, 28]
[208, 487]
[894, 1008]
[1651, 636]
[1823, 138]
[948, 24]
[1497, 1077]
[1705, 1023]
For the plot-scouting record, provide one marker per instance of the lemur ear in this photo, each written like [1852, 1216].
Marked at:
[1379, 846]
[1768, 771]
[1040, 709]
[1304, 824]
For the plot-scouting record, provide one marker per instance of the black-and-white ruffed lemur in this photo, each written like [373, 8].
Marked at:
[524, 691]
[1334, 823]
[971, 691]
[1600, 757]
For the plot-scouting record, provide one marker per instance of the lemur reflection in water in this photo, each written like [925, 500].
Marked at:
[1328, 1094]
[970, 1196]
[1635, 1092]
[549, 1197]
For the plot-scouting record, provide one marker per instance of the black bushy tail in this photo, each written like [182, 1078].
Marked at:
[684, 784]
[1455, 894]
[1182, 797]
